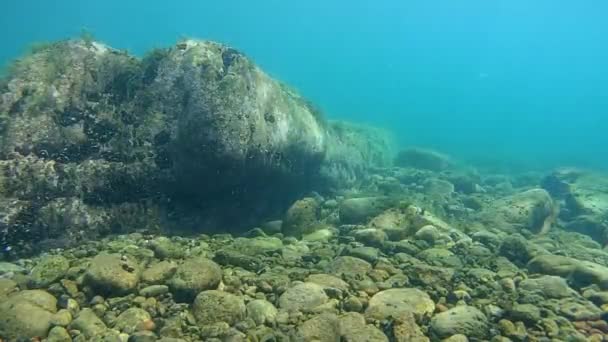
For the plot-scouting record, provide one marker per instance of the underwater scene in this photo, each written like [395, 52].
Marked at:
[328, 171]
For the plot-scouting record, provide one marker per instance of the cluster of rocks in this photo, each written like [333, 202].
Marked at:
[104, 149]
[479, 262]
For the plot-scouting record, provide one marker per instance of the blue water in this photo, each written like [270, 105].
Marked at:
[512, 82]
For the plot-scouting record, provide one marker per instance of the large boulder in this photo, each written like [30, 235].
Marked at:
[230, 118]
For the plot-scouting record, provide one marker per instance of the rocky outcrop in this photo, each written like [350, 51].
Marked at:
[95, 141]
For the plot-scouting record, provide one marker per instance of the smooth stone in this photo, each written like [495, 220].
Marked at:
[110, 274]
[399, 302]
[261, 311]
[88, 324]
[194, 276]
[130, 319]
[159, 272]
[303, 296]
[359, 210]
[59, 334]
[215, 306]
[464, 319]
[27, 314]
[154, 290]
[322, 328]
[349, 266]
[328, 281]
[527, 313]
[353, 328]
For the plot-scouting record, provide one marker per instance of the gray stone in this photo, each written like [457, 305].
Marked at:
[465, 320]
[194, 276]
[399, 302]
[322, 328]
[328, 281]
[130, 319]
[304, 296]
[353, 328]
[215, 306]
[261, 311]
[110, 274]
[349, 266]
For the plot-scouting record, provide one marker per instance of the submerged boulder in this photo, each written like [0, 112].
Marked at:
[231, 118]
[94, 140]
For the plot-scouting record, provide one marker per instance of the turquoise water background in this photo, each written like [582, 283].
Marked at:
[512, 83]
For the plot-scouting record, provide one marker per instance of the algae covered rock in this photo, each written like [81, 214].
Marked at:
[49, 270]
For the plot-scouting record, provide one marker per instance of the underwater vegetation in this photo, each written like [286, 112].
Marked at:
[189, 196]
